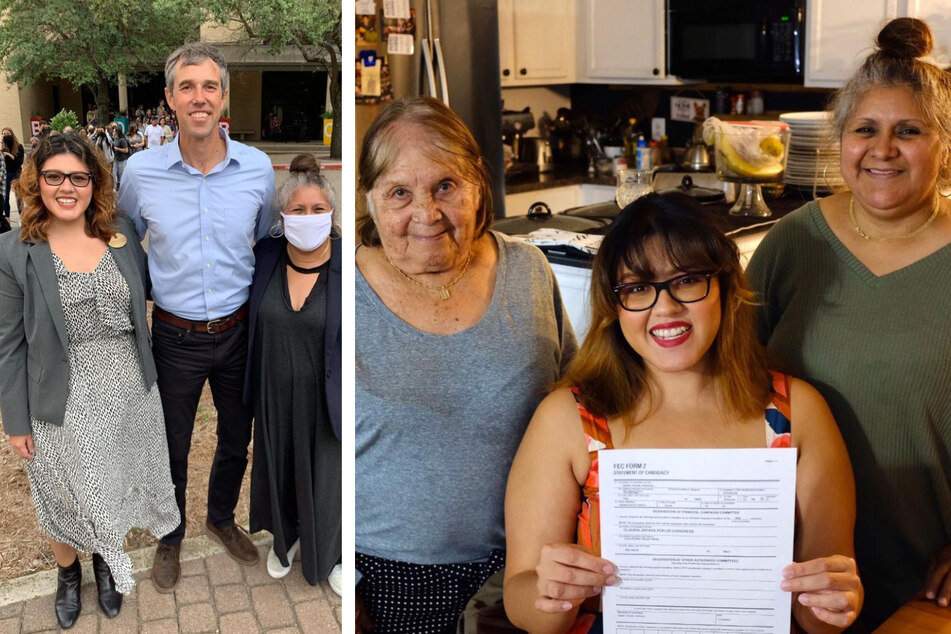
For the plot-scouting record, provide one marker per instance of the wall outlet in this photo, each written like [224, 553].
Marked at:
[689, 108]
[658, 128]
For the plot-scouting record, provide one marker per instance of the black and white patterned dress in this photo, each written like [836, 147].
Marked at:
[106, 469]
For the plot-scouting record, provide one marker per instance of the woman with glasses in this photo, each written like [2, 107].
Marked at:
[293, 380]
[671, 361]
[78, 396]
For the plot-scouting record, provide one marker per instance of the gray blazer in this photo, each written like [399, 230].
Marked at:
[34, 365]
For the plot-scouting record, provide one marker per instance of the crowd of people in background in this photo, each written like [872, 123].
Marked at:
[117, 140]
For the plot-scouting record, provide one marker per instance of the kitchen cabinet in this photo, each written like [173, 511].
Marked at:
[839, 35]
[622, 41]
[935, 13]
[536, 42]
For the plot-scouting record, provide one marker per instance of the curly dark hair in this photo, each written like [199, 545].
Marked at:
[101, 213]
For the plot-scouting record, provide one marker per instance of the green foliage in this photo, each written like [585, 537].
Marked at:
[89, 42]
[64, 118]
[310, 26]
[307, 24]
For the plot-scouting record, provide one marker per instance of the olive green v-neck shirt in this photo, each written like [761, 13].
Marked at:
[878, 348]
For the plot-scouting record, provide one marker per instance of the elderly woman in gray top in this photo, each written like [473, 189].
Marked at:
[459, 331]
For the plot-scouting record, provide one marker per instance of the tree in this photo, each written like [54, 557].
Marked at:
[310, 26]
[91, 42]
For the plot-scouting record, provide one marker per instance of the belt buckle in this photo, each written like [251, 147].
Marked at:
[216, 325]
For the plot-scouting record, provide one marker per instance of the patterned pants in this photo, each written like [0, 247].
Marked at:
[405, 598]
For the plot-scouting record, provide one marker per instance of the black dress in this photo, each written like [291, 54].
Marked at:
[296, 471]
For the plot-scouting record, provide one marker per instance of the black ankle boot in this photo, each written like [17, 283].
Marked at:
[68, 603]
[110, 601]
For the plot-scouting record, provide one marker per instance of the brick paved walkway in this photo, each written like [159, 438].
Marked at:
[215, 595]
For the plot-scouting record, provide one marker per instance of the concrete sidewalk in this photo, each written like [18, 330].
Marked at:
[215, 595]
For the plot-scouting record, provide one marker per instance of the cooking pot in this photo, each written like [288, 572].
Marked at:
[701, 194]
[538, 151]
[539, 216]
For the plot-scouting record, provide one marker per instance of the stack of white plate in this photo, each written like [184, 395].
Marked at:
[813, 160]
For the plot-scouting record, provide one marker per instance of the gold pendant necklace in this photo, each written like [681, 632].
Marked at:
[899, 238]
[443, 290]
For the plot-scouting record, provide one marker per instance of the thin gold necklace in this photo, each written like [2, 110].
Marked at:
[899, 238]
[443, 290]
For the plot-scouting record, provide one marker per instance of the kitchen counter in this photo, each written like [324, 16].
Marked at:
[918, 616]
[563, 177]
[560, 177]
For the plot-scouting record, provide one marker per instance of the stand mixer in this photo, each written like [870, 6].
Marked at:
[514, 126]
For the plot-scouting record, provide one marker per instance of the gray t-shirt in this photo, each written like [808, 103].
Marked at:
[439, 417]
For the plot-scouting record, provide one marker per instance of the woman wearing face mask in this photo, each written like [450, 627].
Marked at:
[13, 160]
[293, 380]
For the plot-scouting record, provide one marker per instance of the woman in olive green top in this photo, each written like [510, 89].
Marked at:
[856, 292]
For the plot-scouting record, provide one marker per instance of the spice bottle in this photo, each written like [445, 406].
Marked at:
[756, 102]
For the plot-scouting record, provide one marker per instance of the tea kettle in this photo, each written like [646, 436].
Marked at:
[696, 157]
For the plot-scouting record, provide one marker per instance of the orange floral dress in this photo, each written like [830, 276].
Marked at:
[597, 435]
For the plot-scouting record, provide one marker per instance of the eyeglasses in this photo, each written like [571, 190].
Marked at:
[54, 178]
[686, 289]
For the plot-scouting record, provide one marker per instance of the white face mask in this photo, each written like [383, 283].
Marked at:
[309, 231]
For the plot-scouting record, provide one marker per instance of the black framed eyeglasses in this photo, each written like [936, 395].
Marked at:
[54, 178]
[686, 288]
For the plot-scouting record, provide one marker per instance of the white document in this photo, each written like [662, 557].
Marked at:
[396, 9]
[400, 44]
[700, 537]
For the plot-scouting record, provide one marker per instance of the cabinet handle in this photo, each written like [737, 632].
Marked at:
[656, 71]
[506, 72]
[522, 71]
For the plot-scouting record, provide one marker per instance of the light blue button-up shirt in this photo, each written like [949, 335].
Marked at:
[201, 226]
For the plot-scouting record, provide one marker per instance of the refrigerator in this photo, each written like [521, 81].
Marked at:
[455, 58]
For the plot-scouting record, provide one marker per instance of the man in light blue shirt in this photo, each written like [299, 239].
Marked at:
[204, 200]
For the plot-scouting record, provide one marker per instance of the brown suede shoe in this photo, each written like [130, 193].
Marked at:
[236, 541]
[166, 569]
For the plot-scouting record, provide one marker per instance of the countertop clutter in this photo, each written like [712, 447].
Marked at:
[791, 198]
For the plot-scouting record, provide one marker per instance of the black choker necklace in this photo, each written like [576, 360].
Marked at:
[301, 269]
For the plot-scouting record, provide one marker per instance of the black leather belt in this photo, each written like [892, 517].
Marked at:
[212, 327]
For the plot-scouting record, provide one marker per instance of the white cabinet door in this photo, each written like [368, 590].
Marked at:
[839, 35]
[506, 41]
[937, 13]
[623, 39]
[536, 42]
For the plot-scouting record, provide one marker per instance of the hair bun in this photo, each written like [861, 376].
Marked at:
[905, 38]
[304, 163]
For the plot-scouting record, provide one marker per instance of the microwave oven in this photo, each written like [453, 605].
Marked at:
[736, 40]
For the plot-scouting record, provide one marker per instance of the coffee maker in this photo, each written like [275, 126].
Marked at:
[514, 126]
